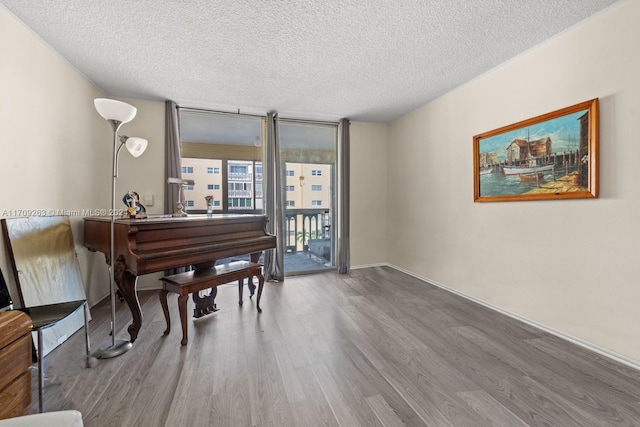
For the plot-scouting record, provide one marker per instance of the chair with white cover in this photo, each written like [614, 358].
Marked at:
[48, 419]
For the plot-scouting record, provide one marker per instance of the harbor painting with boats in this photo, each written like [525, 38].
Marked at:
[550, 156]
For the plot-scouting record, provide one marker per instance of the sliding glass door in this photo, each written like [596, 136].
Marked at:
[308, 156]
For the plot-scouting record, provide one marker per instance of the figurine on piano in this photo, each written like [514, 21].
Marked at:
[135, 209]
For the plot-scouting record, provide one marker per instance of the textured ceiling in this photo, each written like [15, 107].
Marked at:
[368, 60]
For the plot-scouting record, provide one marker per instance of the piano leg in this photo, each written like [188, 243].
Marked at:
[127, 283]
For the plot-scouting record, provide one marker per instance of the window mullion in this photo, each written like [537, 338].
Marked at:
[225, 185]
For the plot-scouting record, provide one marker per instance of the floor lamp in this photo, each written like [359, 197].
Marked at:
[116, 113]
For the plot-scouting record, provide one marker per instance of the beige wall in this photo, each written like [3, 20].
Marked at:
[53, 142]
[145, 175]
[56, 149]
[369, 193]
[577, 275]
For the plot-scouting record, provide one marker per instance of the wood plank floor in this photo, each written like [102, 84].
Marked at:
[375, 348]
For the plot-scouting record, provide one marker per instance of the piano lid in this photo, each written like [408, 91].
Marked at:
[171, 219]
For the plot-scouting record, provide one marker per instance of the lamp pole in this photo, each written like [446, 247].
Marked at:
[116, 113]
[120, 346]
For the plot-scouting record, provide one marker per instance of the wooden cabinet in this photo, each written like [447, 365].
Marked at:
[15, 358]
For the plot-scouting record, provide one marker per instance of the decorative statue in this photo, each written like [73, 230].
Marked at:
[135, 209]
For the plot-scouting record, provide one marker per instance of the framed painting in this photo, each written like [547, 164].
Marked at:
[552, 156]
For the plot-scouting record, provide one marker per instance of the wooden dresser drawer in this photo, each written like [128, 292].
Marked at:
[16, 397]
[13, 324]
[14, 360]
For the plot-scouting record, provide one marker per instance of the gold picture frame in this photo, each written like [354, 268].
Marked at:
[551, 156]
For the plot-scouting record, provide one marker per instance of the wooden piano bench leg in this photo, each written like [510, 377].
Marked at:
[165, 310]
[260, 286]
[252, 287]
[182, 307]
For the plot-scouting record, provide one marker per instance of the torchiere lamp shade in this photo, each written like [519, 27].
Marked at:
[110, 109]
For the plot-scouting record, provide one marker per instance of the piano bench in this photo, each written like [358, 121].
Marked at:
[198, 280]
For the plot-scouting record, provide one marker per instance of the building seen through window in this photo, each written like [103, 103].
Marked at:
[242, 181]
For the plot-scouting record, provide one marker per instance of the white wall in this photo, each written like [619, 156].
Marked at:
[575, 268]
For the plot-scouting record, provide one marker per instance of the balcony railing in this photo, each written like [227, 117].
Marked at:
[240, 193]
[302, 225]
[237, 176]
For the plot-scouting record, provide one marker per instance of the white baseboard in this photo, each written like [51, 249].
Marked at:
[357, 267]
[95, 302]
[108, 294]
[582, 343]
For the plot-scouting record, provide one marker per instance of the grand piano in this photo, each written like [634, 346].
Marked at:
[153, 244]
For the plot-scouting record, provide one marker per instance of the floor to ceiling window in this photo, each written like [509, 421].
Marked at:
[222, 154]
